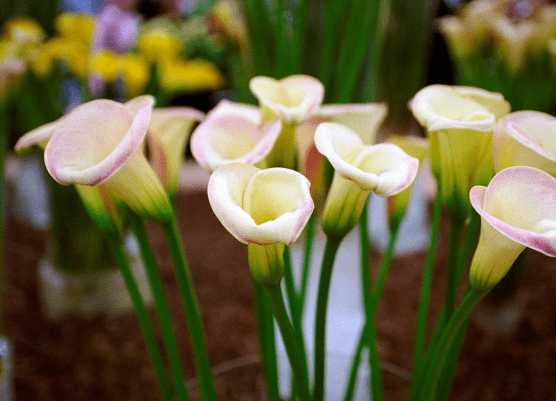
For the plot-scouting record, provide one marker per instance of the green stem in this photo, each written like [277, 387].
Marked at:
[471, 235]
[192, 315]
[352, 379]
[451, 272]
[300, 379]
[295, 310]
[330, 250]
[370, 327]
[142, 316]
[384, 268]
[161, 305]
[440, 350]
[426, 289]
[308, 247]
[267, 342]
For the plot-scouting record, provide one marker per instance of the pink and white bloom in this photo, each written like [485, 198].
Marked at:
[225, 139]
[526, 138]
[100, 142]
[518, 210]
[359, 169]
[293, 99]
[260, 206]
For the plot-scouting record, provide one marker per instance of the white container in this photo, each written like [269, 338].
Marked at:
[90, 294]
[6, 371]
[345, 318]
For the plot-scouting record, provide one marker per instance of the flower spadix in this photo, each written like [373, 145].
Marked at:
[359, 169]
[169, 130]
[518, 210]
[264, 208]
[231, 133]
[459, 125]
[99, 142]
[526, 138]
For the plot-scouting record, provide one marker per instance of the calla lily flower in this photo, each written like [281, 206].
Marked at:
[266, 209]
[359, 169]
[169, 130]
[525, 138]
[293, 98]
[98, 201]
[223, 139]
[518, 210]
[100, 142]
[459, 129]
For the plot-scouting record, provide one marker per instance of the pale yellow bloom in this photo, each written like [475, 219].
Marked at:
[75, 26]
[135, 71]
[158, 45]
[190, 76]
[24, 30]
[105, 64]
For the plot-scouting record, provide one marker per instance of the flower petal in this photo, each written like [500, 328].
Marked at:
[223, 139]
[492, 101]
[526, 138]
[383, 168]
[39, 137]
[168, 135]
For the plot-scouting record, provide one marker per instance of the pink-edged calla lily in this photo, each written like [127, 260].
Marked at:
[459, 123]
[98, 202]
[100, 142]
[229, 108]
[224, 139]
[169, 131]
[518, 210]
[359, 169]
[526, 138]
[266, 209]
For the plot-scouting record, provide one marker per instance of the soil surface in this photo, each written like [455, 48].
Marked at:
[104, 358]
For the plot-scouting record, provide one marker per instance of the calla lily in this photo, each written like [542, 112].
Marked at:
[227, 108]
[492, 101]
[525, 138]
[518, 210]
[266, 208]
[513, 40]
[98, 202]
[100, 142]
[359, 169]
[168, 133]
[293, 98]
[222, 139]
[460, 136]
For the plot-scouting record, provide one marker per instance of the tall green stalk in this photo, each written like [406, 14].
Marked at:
[300, 378]
[4, 130]
[266, 336]
[424, 297]
[161, 305]
[440, 350]
[190, 304]
[330, 250]
[121, 257]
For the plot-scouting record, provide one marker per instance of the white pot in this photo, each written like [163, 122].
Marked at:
[88, 294]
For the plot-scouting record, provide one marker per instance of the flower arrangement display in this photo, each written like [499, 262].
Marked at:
[506, 47]
[304, 158]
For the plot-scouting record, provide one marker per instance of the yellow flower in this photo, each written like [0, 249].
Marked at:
[135, 72]
[190, 76]
[158, 45]
[24, 30]
[105, 64]
[75, 26]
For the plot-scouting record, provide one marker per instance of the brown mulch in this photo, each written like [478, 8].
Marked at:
[104, 358]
